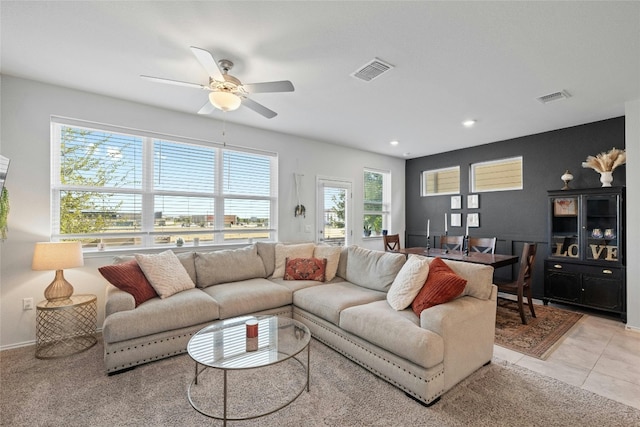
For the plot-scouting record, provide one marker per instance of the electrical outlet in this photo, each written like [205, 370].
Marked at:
[27, 303]
[307, 229]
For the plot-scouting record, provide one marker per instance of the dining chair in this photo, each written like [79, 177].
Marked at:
[485, 245]
[391, 242]
[523, 283]
[452, 243]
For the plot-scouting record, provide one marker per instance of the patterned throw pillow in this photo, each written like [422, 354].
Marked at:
[165, 272]
[442, 285]
[305, 269]
[408, 282]
[128, 276]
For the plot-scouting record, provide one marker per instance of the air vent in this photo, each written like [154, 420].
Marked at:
[372, 69]
[563, 94]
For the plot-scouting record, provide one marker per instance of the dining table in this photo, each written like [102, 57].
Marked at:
[494, 260]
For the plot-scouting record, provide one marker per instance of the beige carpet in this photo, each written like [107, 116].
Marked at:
[75, 391]
[540, 336]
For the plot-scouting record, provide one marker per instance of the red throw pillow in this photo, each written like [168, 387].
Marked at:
[305, 269]
[442, 285]
[128, 276]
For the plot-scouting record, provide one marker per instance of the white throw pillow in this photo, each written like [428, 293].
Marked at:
[408, 282]
[332, 254]
[165, 272]
[300, 250]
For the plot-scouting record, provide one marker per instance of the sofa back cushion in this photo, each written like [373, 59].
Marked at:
[267, 251]
[332, 254]
[229, 265]
[342, 264]
[479, 277]
[297, 250]
[373, 269]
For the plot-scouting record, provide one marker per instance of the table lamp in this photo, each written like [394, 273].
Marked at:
[57, 256]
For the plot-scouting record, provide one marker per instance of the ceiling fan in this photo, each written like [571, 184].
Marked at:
[227, 92]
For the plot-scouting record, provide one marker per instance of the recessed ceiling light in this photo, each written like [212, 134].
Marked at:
[394, 143]
[469, 123]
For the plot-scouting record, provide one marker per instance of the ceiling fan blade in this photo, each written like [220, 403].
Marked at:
[258, 108]
[207, 108]
[281, 86]
[174, 82]
[208, 62]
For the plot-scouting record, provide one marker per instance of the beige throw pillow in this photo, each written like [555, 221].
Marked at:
[300, 250]
[165, 272]
[408, 282]
[332, 254]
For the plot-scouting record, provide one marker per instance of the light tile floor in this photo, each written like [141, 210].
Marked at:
[599, 354]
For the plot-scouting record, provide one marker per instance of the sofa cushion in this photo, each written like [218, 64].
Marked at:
[128, 276]
[299, 250]
[165, 272]
[248, 296]
[396, 331]
[305, 269]
[184, 309]
[295, 285]
[342, 264]
[186, 259]
[332, 254]
[267, 251]
[373, 269]
[229, 265]
[442, 285]
[479, 277]
[408, 282]
[328, 300]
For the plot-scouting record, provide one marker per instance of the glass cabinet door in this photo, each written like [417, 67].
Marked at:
[565, 239]
[601, 228]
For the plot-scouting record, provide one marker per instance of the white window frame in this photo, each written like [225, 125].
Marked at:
[472, 175]
[423, 186]
[385, 210]
[147, 193]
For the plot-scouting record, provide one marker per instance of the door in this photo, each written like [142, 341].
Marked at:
[334, 212]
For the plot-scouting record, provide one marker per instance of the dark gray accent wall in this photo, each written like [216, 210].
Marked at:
[519, 216]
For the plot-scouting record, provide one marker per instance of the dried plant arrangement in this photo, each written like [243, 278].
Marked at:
[606, 162]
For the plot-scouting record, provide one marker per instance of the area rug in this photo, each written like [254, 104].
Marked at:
[540, 336]
[75, 391]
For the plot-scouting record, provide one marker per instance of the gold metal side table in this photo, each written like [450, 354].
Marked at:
[65, 327]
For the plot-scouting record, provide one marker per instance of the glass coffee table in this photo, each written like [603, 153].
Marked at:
[260, 375]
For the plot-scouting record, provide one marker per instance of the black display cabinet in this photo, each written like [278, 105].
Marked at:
[586, 261]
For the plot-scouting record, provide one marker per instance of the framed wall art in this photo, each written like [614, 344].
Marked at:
[456, 220]
[473, 220]
[456, 202]
[473, 201]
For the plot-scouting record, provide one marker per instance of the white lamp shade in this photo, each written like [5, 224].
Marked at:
[57, 255]
[225, 101]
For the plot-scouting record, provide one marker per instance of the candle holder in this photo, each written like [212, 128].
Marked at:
[466, 245]
[428, 243]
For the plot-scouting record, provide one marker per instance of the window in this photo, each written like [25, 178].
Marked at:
[441, 181]
[118, 188]
[377, 202]
[497, 175]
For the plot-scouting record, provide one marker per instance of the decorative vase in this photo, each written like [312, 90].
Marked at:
[606, 178]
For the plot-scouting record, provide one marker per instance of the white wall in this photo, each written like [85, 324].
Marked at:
[632, 145]
[26, 108]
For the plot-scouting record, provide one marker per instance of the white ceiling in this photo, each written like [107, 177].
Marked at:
[487, 61]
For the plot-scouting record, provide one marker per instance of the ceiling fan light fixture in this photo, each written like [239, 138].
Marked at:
[225, 101]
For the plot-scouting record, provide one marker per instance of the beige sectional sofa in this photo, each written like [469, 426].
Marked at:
[424, 356]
